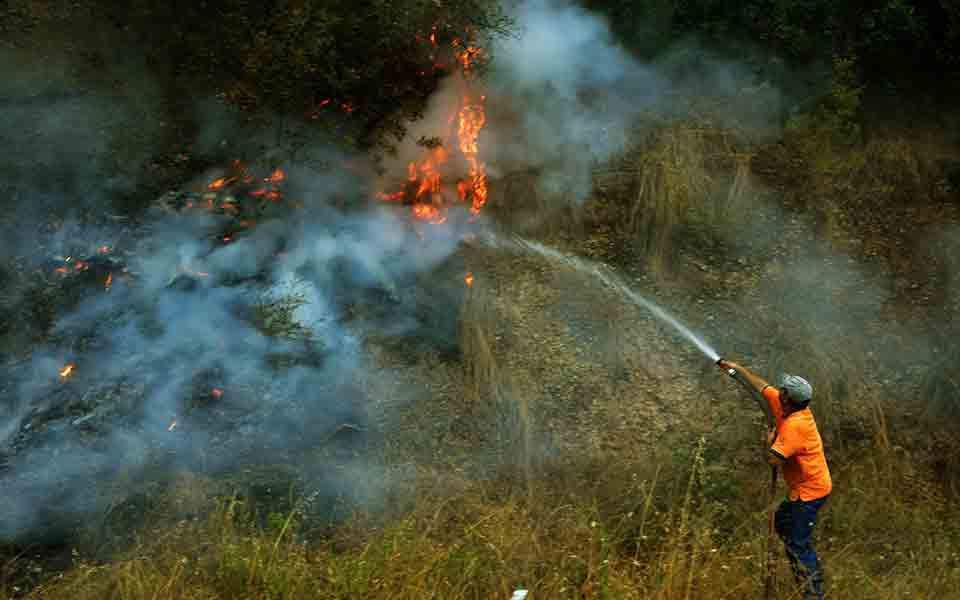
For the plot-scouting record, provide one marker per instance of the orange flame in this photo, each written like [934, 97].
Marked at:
[431, 172]
[468, 279]
[425, 177]
[108, 282]
[429, 213]
[66, 371]
[472, 119]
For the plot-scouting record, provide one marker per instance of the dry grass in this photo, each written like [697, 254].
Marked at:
[614, 506]
[601, 528]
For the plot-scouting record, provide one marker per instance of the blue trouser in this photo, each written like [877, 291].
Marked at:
[794, 522]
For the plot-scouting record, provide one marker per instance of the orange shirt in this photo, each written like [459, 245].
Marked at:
[798, 443]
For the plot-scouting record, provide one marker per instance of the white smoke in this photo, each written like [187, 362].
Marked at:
[565, 96]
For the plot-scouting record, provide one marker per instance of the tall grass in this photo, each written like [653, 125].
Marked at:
[489, 389]
[597, 528]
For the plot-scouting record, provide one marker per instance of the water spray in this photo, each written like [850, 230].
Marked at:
[606, 275]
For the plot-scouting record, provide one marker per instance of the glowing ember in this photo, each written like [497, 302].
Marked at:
[220, 183]
[66, 371]
[468, 279]
[276, 177]
[264, 193]
[394, 197]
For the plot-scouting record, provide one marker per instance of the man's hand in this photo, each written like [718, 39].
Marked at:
[726, 364]
[754, 380]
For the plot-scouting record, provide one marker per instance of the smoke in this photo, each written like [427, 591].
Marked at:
[201, 354]
[172, 365]
[175, 368]
[566, 96]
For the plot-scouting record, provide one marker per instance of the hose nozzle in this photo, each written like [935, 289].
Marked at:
[730, 372]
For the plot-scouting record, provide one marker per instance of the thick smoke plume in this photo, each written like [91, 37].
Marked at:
[566, 96]
[562, 96]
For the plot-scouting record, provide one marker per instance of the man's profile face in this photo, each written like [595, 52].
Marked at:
[786, 402]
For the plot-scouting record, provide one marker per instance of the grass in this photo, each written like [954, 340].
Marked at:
[600, 528]
[685, 520]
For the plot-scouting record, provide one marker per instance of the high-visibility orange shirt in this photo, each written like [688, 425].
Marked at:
[798, 442]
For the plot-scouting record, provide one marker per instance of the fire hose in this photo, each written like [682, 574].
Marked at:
[769, 567]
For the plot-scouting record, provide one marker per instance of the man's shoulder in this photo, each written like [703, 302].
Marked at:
[801, 419]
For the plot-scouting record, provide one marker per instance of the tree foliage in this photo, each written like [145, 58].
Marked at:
[368, 64]
[890, 38]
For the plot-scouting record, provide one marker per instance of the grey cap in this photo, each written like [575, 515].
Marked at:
[799, 389]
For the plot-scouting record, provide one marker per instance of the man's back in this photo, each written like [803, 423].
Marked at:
[800, 445]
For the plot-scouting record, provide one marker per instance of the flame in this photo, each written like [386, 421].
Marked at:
[66, 371]
[429, 213]
[472, 119]
[430, 168]
[425, 188]
[108, 282]
[468, 279]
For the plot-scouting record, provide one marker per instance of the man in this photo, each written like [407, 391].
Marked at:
[795, 446]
